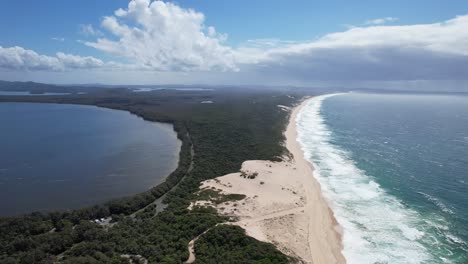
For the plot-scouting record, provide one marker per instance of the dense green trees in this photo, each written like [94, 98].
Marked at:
[229, 244]
[237, 127]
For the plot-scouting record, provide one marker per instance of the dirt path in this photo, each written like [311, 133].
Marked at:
[191, 246]
[160, 206]
[271, 215]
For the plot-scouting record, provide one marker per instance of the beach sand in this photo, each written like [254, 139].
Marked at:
[283, 204]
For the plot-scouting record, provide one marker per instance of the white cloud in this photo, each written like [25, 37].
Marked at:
[447, 37]
[165, 37]
[268, 43]
[414, 52]
[157, 38]
[18, 58]
[22, 59]
[381, 21]
[160, 36]
[78, 62]
[89, 31]
[58, 39]
[450, 36]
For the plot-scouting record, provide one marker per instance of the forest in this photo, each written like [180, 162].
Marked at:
[216, 138]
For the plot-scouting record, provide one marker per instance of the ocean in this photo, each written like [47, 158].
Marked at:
[55, 156]
[394, 168]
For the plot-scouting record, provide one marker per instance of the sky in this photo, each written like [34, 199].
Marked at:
[388, 44]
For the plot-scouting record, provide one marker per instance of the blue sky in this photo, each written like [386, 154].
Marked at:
[51, 26]
[36, 22]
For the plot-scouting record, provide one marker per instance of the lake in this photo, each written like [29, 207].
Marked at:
[56, 156]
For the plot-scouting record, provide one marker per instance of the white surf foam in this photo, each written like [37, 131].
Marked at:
[438, 203]
[377, 228]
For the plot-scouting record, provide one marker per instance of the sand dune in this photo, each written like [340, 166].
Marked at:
[283, 205]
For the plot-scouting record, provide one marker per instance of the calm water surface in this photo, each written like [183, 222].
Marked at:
[67, 156]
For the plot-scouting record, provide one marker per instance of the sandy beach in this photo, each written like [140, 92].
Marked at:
[283, 204]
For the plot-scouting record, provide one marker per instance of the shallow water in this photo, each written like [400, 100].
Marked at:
[395, 170]
[67, 156]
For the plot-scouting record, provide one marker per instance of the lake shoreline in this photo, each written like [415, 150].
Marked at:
[113, 119]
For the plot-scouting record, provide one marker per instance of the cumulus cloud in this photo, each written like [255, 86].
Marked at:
[165, 37]
[18, 58]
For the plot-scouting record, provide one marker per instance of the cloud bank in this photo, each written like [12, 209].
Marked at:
[157, 36]
[18, 58]
[417, 52]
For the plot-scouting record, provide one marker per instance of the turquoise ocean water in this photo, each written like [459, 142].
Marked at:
[395, 170]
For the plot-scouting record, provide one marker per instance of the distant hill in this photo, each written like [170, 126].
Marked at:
[38, 88]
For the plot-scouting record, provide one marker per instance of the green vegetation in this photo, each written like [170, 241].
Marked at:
[216, 197]
[212, 247]
[41, 88]
[238, 126]
[248, 175]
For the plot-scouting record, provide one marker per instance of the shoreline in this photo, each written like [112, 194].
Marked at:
[162, 127]
[283, 203]
[332, 231]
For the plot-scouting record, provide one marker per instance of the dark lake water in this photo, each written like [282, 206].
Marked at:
[67, 156]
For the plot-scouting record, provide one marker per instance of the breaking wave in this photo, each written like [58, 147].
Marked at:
[377, 227]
